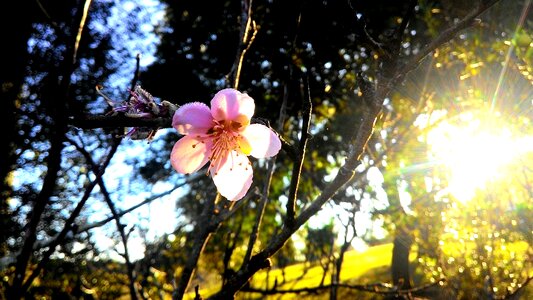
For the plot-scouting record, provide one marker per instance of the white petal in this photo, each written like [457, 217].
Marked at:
[193, 118]
[263, 141]
[232, 105]
[190, 154]
[233, 177]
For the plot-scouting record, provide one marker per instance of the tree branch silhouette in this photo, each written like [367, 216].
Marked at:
[299, 161]
[120, 227]
[101, 223]
[59, 113]
[374, 92]
[264, 196]
[202, 232]
[448, 34]
[373, 96]
[376, 288]
[72, 218]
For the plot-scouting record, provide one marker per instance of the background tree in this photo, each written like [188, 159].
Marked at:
[346, 84]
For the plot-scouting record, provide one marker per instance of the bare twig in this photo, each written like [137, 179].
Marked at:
[101, 121]
[87, 227]
[298, 163]
[447, 34]
[232, 240]
[81, 26]
[70, 221]
[248, 33]
[127, 211]
[202, 234]
[136, 73]
[336, 274]
[398, 34]
[266, 188]
[361, 28]
[107, 198]
[53, 23]
[516, 294]
[225, 211]
[116, 217]
[376, 288]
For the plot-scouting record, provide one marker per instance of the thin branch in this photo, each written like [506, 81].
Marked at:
[107, 197]
[120, 120]
[398, 34]
[516, 294]
[298, 164]
[70, 221]
[224, 211]
[53, 23]
[361, 27]
[264, 197]
[232, 239]
[81, 26]
[377, 288]
[127, 211]
[246, 39]
[448, 34]
[202, 234]
[49, 182]
[116, 217]
[136, 73]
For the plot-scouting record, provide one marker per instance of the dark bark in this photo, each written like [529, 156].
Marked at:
[401, 276]
[335, 277]
[58, 100]
[14, 60]
[202, 233]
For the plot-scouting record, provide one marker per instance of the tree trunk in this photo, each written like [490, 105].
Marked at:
[401, 276]
[336, 274]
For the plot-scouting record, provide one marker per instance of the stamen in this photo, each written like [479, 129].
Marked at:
[226, 145]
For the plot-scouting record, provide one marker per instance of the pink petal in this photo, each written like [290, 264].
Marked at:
[193, 118]
[264, 142]
[190, 154]
[232, 105]
[233, 177]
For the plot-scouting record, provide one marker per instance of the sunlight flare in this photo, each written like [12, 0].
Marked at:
[475, 153]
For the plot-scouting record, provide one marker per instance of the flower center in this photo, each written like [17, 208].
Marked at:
[226, 138]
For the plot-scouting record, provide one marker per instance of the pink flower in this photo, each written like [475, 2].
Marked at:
[224, 136]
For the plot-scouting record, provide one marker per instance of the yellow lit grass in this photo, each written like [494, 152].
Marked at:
[366, 267]
[354, 266]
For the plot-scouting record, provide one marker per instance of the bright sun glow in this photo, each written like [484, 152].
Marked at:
[474, 153]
